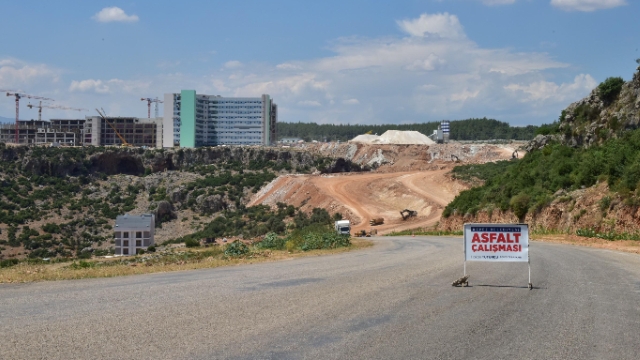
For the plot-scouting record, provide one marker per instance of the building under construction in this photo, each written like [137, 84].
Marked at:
[99, 131]
[34, 132]
[93, 130]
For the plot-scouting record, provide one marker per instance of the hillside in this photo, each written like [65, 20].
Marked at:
[63, 201]
[469, 129]
[582, 176]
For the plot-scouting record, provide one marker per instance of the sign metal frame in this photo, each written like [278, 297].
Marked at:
[524, 227]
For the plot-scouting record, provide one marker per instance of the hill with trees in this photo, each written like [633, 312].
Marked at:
[62, 202]
[469, 129]
[582, 173]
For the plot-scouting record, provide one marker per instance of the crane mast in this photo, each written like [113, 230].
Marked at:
[19, 96]
[149, 101]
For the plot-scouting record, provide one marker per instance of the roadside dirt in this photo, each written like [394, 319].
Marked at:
[413, 177]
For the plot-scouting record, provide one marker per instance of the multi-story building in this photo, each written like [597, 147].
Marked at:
[135, 131]
[35, 132]
[192, 120]
[133, 233]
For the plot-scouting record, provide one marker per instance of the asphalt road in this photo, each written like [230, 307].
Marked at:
[392, 301]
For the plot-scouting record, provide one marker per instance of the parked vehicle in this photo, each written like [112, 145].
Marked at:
[343, 227]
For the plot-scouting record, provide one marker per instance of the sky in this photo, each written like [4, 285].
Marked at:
[330, 62]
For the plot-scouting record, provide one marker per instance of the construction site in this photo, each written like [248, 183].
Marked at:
[408, 187]
[97, 130]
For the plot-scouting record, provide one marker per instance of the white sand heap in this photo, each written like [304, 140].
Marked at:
[395, 137]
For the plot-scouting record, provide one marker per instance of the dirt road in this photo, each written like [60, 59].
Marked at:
[362, 197]
[413, 177]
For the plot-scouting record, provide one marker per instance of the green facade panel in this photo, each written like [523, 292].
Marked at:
[188, 119]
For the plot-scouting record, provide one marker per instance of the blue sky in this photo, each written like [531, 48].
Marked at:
[358, 62]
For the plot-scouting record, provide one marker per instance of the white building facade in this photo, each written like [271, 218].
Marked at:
[192, 120]
[133, 233]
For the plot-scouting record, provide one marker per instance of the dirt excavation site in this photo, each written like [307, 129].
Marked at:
[406, 176]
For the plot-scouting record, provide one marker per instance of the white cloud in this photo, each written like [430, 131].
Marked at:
[89, 85]
[587, 5]
[109, 86]
[440, 25]
[233, 64]
[351, 102]
[541, 91]
[311, 103]
[17, 74]
[114, 14]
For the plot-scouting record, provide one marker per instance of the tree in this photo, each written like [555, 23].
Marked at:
[610, 88]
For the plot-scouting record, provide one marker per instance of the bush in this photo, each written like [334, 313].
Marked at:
[520, 205]
[192, 243]
[610, 88]
[236, 248]
[8, 263]
[151, 248]
[272, 241]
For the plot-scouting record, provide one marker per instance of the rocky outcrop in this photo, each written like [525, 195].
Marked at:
[592, 208]
[593, 119]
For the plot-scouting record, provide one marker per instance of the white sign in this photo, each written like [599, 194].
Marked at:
[496, 242]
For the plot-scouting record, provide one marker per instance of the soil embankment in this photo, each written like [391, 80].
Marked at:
[411, 177]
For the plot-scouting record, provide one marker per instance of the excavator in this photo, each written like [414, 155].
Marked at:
[104, 117]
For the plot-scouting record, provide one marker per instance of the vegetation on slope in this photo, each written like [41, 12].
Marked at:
[59, 202]
[470, 129]
[528, 184]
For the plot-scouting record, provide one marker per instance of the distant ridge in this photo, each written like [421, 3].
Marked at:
[7, 120]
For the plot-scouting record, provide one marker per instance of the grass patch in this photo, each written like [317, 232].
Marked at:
[177, 259]
[422, 231]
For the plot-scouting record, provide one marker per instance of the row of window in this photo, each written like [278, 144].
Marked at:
[138, 234]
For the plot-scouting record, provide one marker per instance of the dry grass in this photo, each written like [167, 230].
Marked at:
[99, 268]
[630, 246]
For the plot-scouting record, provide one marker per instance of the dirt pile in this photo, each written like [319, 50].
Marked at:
[395, 137]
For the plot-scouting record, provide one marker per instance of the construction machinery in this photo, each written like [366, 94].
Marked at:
[47, 106]
[104, 117]
[149, 101]
[376, 221]
[364, 233]
[19, 96]
[406, 213]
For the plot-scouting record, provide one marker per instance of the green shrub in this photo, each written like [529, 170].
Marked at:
[610, 88]
[192, 243]
[151, 248]
[236, 248]
[272, 241]
[520, 205]
[8, 263]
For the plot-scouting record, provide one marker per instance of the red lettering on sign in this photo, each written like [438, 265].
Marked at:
[517, 236]
[476, 238]
[492, 237]
[501, 238]
[509, 238]
[485, 237]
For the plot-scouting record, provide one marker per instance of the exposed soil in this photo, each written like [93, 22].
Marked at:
[411, 177]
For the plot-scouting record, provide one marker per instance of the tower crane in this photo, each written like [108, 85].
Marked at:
[149, 101]
[18, 96]
[40, 106]
[104, 116]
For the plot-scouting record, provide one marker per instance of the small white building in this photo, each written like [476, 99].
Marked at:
[133, 233]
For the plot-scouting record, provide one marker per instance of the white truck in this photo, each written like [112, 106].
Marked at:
[343, 227]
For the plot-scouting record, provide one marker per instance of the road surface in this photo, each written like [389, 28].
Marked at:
[391, 301]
